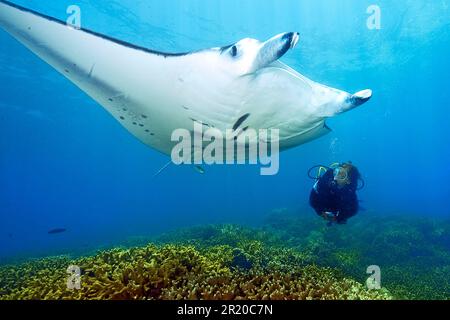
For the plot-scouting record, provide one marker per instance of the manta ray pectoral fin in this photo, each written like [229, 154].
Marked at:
[306, 136]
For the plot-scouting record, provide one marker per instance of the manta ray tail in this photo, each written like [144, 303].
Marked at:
[162, 169]
[198, 169]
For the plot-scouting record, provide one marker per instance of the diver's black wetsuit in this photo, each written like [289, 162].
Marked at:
[328, 197]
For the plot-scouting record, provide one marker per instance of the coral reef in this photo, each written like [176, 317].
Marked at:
[290, 257]
[413, 252]
[249, 271]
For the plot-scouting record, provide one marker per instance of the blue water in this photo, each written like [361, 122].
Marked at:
[65, 162]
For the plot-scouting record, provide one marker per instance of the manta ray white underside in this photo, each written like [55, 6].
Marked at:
[151, 93]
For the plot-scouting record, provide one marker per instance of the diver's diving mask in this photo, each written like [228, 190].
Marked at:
[341, 175]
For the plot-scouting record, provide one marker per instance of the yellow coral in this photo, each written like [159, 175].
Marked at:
[179, 272]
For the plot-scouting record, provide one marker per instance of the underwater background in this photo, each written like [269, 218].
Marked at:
[65, 163]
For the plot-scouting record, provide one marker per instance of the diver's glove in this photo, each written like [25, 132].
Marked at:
[329, 216]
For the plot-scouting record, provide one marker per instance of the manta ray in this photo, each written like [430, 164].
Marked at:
[151, 93]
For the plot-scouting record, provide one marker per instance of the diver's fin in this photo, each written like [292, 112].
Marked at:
[162, 169]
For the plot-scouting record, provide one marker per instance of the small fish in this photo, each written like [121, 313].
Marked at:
[89, 273]
[199, 169]
[57, 230]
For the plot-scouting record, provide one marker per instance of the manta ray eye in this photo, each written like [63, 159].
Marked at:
[233, 51]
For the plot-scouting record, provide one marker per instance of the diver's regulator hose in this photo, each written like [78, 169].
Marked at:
[325, 169]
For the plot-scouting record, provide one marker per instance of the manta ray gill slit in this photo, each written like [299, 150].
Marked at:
[240, 121]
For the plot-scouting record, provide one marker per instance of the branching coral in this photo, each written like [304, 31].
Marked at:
[306, 283]
[290, 258]
[182, 272]
[413, 252]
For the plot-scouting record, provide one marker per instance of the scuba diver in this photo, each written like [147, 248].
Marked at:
[333, 196]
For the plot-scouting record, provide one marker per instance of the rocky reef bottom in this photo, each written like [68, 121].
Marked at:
[289, 257]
